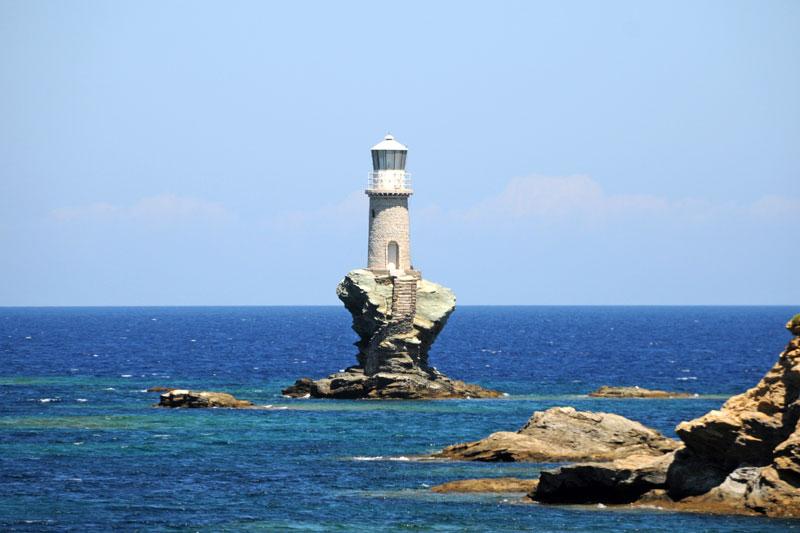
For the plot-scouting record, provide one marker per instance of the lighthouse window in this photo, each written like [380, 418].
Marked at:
[373, 213]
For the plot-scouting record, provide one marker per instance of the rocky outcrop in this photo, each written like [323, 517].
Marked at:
[491, 484]
[354, 383]
[621, 481]
[635, 392]
[200, 399]
[397, 320]
[562, 434]
[743, 458]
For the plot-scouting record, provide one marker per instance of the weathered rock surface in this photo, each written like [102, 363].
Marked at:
[392, 351]
[353, 383]
[492, 484]
[564, 434]
[635, 392]
[750, 425]
[743, 458]
[621, 481]
[200, 399]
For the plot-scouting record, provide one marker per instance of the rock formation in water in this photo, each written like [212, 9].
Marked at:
[743, 458]
[635, 392]
[562, 434]
[488, 484]
[397, 319]
[200, 399]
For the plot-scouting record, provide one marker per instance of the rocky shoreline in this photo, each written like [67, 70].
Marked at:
[741, 459]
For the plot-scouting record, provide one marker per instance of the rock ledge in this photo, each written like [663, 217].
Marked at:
[562, 434]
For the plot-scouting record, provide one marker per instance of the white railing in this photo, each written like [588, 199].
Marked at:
[389, 180]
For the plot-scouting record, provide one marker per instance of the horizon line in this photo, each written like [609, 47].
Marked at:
[153, 306]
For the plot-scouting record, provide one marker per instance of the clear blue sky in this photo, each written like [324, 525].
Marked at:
[160, 153]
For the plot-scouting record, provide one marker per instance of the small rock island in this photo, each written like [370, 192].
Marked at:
[636, 392]
[396, 313]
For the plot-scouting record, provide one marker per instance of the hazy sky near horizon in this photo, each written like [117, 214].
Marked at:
[215, 153]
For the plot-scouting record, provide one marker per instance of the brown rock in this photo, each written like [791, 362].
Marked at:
[564, 434]
[492, 484]
[635, 392]
[750, 425]
[200, 399]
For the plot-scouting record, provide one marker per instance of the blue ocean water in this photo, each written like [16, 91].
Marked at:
[81, 448]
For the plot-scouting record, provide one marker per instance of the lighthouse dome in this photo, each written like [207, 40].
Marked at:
[389, 143]
[389, 154]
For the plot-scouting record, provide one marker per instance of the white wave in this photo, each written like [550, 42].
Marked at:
[687, 378]
[109, 388]
[126, 375]
[49, 400]
[82, 400]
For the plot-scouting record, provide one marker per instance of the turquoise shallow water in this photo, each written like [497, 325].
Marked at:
[81, 448]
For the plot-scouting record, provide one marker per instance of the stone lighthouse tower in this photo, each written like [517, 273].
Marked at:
[388, 188]
[396, 313]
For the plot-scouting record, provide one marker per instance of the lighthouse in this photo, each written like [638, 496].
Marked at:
[388, 188]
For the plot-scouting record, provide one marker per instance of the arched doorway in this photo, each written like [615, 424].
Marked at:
[393, 256]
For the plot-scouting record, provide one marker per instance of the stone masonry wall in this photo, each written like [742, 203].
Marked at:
[390, 223]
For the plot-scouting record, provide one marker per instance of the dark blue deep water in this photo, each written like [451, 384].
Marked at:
[81, 448]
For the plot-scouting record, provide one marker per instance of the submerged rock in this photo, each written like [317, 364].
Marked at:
[564, 434]
[635, 392]
[160, 389]
[492, 484]
[394, 340]
[200, 399]
[743, 458]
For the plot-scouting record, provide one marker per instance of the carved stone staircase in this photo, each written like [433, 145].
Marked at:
[404, 300]
[404, 307]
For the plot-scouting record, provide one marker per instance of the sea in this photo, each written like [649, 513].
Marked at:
[82, 447]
